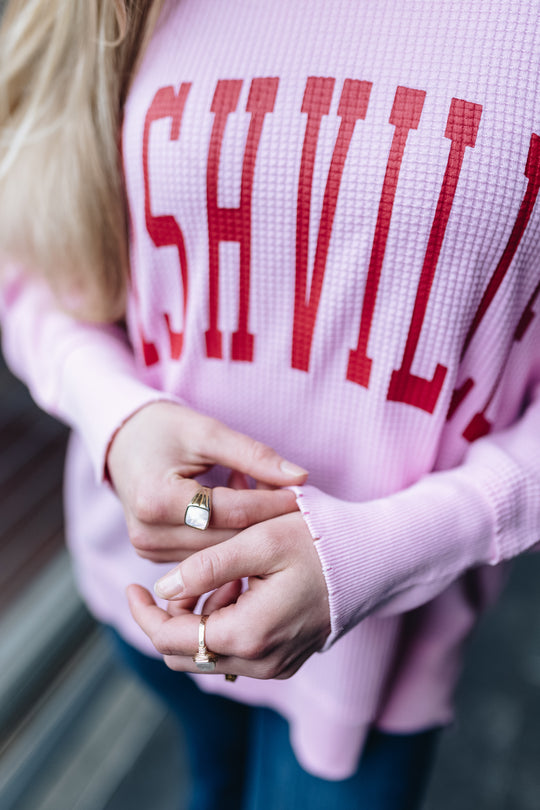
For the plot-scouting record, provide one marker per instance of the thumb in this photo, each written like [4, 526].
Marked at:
[251, 457]
[213, 567]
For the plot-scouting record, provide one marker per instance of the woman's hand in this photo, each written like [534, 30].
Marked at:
[153, 459]
[269, 630]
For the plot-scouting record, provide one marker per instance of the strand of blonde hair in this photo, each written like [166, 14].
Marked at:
[65, 66]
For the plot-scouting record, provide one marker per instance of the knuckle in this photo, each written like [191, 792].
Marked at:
[229, 640]
[260, 453]
[207, 565]
[238, 516]
[249, 650]
[285, 674]
[209, 433]
[274, 544]
[254, 649]
[290, 667]
[147, 509]
[141, 541]
[162, 646]
[270, 671]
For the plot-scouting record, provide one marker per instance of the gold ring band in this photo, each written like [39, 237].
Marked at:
[204, 660]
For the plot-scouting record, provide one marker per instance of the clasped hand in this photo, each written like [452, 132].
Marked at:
[272, 627]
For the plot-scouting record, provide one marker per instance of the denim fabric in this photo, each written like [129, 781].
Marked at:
[240, 758]
[392, 773]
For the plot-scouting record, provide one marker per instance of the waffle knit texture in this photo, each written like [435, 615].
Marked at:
[335, 250]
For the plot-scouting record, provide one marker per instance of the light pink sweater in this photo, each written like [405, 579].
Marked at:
[334, 250]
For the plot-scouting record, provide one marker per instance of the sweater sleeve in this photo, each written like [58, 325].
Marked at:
[83, 374]
[395, 553]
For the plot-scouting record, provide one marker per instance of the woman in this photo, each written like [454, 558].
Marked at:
[332, 252]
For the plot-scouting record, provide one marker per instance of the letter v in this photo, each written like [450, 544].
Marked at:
[353, 105]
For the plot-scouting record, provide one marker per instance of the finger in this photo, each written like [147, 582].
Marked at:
[169, 557]
[176, 638]
[237, 653]
[213, 567]
[226, 664]
[237, 480]
[238, 509]
[170, 635]
[262, 485]
[165, 502]
[232, 509]
[179, 606]
[240, 452]
[144, 610]
[222, 597]
[166, 543]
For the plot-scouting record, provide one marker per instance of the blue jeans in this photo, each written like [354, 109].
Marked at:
[245, 761]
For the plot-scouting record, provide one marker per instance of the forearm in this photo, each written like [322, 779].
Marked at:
[83, 374]
[395, 553]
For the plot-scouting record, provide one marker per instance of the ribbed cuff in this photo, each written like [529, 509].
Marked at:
[395, 553]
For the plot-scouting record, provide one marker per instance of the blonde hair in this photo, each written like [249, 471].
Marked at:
[65, 66]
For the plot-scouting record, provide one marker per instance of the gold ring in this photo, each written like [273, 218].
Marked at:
[204, 660]
[231, 678]
[199, 509]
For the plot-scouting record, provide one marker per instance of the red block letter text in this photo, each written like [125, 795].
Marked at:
[234, 224]
[352, 106]
[461, 129]
[405, 116]
[165, 230]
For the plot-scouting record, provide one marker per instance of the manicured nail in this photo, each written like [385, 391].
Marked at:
[292, 469]
[170, 585]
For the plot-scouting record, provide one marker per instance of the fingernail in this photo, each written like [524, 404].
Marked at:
[170, 585]
[292, 469]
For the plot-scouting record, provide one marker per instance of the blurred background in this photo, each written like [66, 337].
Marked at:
[78, 733]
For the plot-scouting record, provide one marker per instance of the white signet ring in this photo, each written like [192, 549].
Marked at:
[199, 509]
